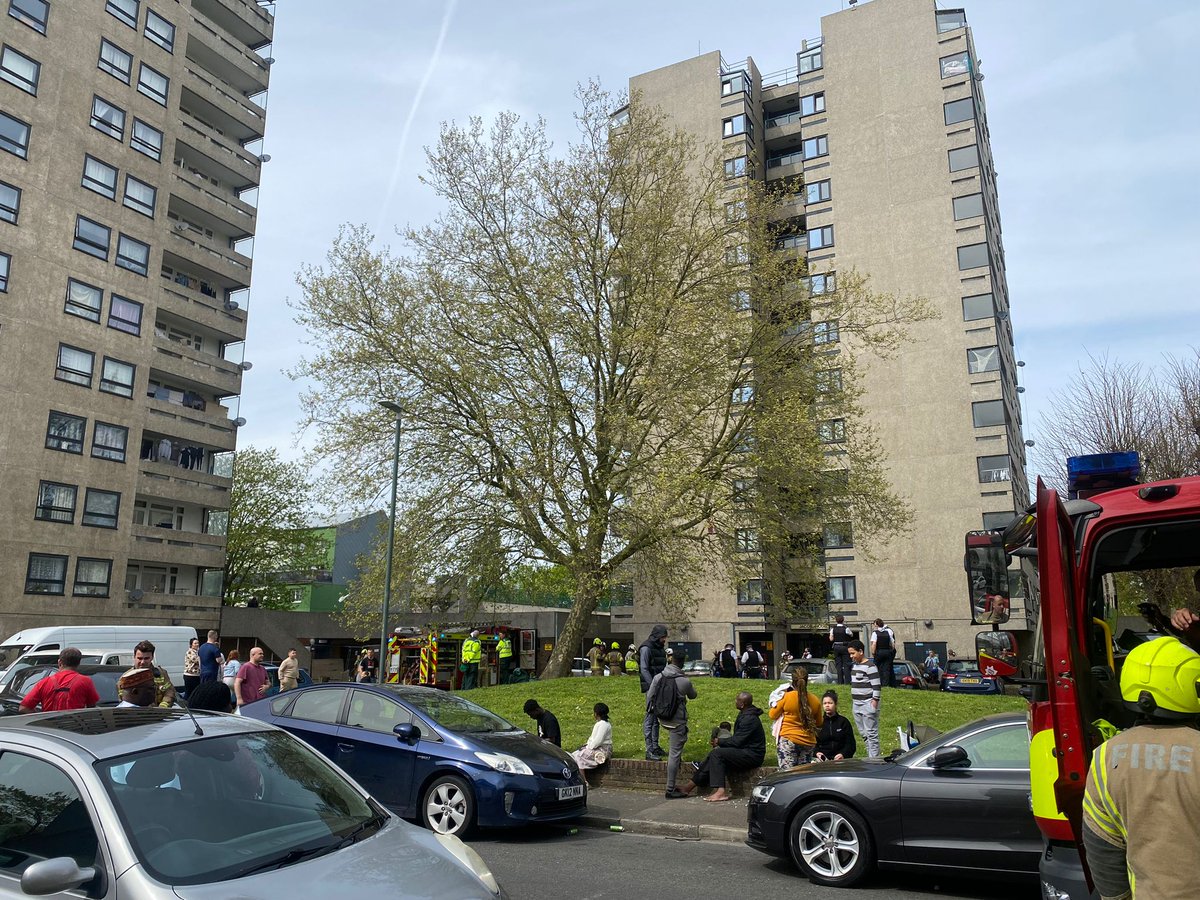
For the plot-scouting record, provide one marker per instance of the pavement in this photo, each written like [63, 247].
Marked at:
[641, 812]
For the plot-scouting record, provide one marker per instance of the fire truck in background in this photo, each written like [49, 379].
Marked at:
[431, 656]
[1110, 537]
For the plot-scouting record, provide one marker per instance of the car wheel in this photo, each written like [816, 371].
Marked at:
[448, 807]
[831, 844]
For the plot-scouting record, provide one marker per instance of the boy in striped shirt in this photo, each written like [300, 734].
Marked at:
[864, 691]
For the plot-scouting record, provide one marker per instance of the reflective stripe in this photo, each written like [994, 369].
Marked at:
[1098, 807]
[1043, 772]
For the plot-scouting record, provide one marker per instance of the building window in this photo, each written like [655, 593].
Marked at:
[91, 577]
[815, 147]
[832, 431]
[154, 84]
[125, 315]
[18, 69]
[740, 300]
[994, 468]
[133, 255]
[743, 490]
[968, 207]
[959, 110]
[110, 441]
[743, 394]
[5, 265]
[92, 238]
[949, 19]
[956, 64]
[116, 377]
[973, 256]
[983, 359]
[101, 508]
[737, 255]
[746, 540]
[115, 61]
[817, 192]
[813, 103]
[56, 502]
[820, 238]
[108, 118]
[47, 574]
[10, 202]
[14, 136]
[996, 521]
[964, 158]
[829, 381]
[147, 140]
[749, 591]
[978, 306]
[160, 31]
[736, 125]
[75, 366]
[825, 333]
[837, 534]
[125, 10]
[65, 432]
[841, 590]
[32, 12]
[736, 211]
[734, 84]
[736, 167]
[810, 61]
[986, 413]
[83, 300]
[100, 177]
[139, 196]
[822, 283]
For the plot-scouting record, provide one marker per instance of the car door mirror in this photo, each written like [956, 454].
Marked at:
[407, 732]
[54, 876]
[951, 757]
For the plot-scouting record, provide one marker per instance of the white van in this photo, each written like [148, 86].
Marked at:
[170, 645]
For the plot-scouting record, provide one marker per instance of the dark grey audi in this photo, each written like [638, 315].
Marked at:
[958, 802]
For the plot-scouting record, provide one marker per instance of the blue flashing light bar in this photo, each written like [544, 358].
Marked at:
[1098, 472]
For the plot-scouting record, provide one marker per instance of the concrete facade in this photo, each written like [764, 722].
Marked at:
[127, 271]
[877, 106]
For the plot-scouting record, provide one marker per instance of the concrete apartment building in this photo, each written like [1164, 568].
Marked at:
[130, 142]
[883, 115]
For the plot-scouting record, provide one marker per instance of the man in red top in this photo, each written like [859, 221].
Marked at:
[65, 689]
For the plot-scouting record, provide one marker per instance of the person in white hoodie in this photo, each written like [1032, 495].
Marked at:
[599, 747]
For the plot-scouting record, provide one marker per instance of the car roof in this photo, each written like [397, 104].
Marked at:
[106, 732]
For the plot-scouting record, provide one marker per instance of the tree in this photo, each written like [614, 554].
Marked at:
[605, 365]
[268, 541]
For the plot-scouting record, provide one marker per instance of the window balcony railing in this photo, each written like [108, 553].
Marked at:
[786, 159]
[792, 242]
[991, 476]
[786, 119]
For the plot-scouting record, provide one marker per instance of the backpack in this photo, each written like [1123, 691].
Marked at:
[666, 699]
[883, 639]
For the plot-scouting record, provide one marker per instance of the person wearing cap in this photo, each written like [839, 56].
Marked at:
[472, 653]
[137, 688]
[596, 656]
[65, 689]
[504, 653]
[164, 690]
[614, 659]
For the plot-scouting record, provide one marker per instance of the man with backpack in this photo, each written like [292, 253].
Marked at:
[883, 651]
[666, 701]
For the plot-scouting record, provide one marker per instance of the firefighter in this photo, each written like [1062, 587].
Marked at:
[1141, 805]
[614, 659]
[631, 663]
[504, 652]
[472, 653]
[596, 656]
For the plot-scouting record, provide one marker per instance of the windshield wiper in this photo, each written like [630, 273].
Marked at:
[288, 858]
[353, 836]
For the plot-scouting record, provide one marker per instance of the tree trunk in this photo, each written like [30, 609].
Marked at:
[589, 586]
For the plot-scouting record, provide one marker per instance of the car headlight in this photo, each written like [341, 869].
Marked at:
[471, 860]
[761, 793]
[503, 762]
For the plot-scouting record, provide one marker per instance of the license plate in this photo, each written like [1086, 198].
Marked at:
[573, 792]
[970, 681]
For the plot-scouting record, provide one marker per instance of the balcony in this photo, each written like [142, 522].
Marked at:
[211, 46]
[244, 20]
[203, 151]
[231, 268]
[205, 370]
[179, 548]
[167, 481]
[207, 312]
[189, 603]
[233, 115]
[201, 427]
[213, 206]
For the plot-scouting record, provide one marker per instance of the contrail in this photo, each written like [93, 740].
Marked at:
[412, 113]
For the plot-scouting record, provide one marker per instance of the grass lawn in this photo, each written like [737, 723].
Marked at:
[571, 700]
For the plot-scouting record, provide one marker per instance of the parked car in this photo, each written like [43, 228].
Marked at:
[103, 677]
[431, 755]
[962, 676]
[820, 671]
[957, 803]
[303, 680]
[698, 668]
[150, 804]
[909, 676]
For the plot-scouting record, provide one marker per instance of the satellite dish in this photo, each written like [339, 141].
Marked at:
[231, 305]
[136, 594]
[265, 158]
[247, 366]
[239, 421]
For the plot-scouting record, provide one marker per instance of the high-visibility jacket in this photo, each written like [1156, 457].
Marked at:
[504, 648]
[472, 650]
[631, 665]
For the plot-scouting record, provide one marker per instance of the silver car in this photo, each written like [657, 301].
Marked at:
[149, 803]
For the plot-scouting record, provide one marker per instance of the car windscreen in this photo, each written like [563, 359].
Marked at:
[456, 714]
[962, 665]
[224, 807]
[24, 680]
[10, 653]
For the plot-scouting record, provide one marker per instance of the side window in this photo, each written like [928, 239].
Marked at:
[319, 706]
[375, 713]
[998, 748]
[41, 815]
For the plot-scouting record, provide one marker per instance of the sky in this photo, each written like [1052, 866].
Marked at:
[1094, 120]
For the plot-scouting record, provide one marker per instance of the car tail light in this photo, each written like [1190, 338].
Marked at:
[908, 679]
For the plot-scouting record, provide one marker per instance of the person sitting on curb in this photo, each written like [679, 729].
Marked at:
[742, 751]
[547, 722]
[599, 747]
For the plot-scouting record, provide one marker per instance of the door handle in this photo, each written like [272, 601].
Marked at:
[346, 748]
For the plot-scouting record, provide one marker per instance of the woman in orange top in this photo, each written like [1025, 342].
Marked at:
[800, 718]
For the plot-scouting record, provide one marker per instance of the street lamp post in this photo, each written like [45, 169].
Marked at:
[391, 545]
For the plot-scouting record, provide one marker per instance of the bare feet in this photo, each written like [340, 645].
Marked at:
[718, 796]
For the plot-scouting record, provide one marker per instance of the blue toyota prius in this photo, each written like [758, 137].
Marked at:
[432, 756]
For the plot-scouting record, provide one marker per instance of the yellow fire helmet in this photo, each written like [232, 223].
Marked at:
[616, 646]
[1160, 679]
[597, 642]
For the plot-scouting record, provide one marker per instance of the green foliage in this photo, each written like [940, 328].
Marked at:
[571, 700]
[267, 536]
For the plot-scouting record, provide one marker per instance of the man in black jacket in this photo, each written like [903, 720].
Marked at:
[744, 750]
[547, 722]
[652, 659]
